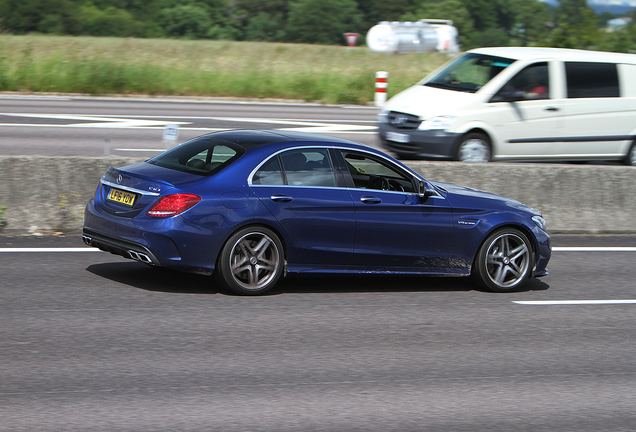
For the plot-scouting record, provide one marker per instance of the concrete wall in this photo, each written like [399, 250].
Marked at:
[45, 194]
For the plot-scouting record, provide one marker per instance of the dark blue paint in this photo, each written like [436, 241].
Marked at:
[323, 229]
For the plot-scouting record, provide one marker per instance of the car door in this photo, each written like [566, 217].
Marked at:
[597, 120]
[300, 188]
[396, 228]
[525, 113]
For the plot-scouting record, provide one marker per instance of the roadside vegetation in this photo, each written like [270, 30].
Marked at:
[100, 66]
[290, 49]
[558, 23]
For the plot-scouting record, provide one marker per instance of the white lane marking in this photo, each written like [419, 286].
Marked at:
[594, 249]
[97, 121]
[140, 150]
[121, 122]
[574, 302]
[77, 249]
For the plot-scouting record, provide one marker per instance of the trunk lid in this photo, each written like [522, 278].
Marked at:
[126, 191]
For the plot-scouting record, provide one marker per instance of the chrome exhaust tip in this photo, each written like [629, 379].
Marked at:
[87, 240]
[144, 258]
[141, 257]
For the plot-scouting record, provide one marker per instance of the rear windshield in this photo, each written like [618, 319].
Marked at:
[469, 72]
[203, 156]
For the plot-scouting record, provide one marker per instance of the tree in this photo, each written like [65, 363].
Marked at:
[190, 21]
[374, 11]
[322, 21]
[24, 16]
[108, 22]
[447, 9]
[577, 26]
[264, 27]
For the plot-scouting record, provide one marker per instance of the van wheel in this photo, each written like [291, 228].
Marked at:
[474, 147]
[630, 159]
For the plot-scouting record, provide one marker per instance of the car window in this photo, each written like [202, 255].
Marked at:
[204, 156]
[368, 172]
[591, 80]
[300, 167]
[469, 73]
[269, 174]
[532, 83]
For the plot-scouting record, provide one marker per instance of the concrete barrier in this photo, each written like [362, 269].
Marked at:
[47, 194]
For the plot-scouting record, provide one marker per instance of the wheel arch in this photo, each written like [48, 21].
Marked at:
[481, 129]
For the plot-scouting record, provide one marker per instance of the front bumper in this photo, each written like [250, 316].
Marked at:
[429, 144]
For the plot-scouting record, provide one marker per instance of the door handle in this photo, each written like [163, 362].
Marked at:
[552, 109]
[370, 200]
[281, 198]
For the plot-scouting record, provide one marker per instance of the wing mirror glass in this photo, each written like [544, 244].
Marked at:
[423, 190]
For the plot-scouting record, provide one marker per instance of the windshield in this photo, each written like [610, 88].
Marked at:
[469, 72]
[204, 156]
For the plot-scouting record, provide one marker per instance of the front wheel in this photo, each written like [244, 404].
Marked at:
[504, 261]
[630, 159]
[252, 261]
[474, 147]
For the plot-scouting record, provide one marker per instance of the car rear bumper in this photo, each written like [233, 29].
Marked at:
[431, 144]
[148, 244]
[117, 246]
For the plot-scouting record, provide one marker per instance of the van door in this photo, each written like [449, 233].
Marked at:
[597, 120]
[525, 113]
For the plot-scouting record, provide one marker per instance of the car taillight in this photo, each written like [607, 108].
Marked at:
[172, 205]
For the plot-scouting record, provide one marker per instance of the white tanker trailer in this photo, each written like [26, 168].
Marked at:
[413, 37]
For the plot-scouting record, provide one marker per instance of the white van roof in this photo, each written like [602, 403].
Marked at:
[529, 53]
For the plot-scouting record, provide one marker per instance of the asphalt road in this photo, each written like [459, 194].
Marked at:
[69, 126]
[93, 342]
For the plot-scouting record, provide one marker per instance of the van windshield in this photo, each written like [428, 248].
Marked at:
[469, 72]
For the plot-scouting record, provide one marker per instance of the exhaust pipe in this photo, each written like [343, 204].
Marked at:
[139, 257]
[87, 240]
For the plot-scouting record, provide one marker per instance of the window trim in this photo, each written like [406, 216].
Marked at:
[337, 175]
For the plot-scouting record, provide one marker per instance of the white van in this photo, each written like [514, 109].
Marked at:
[497, 104]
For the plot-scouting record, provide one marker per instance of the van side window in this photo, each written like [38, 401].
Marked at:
[532, 83]
[591, 80]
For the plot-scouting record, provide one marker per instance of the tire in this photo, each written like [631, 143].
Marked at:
[252, 261]
[630, 159]
[474, 147]
[504, 261]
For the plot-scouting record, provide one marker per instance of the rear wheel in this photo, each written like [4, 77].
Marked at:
[504, 261]
[252, 261]
[474, 147]
[630, 159]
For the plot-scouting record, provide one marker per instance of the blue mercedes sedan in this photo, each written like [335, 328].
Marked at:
[251, 206]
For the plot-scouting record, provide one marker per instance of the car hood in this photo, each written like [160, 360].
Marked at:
[464, 197]
[424, 101]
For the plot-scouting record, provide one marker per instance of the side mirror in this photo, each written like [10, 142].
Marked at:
[508, 96]
[424, 191]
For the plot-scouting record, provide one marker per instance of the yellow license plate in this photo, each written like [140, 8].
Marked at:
[122, 197]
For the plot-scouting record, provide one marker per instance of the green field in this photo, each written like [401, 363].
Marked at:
[101, 66]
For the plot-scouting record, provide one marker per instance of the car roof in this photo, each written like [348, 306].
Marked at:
[251, 138]
[529, 53]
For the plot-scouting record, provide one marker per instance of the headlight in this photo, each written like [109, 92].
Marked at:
[439, 122]
[539, 221]
[383, 116]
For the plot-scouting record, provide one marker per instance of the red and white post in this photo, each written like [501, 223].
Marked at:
[381, 82]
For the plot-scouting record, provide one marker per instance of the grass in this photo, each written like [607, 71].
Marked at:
[100, 66]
